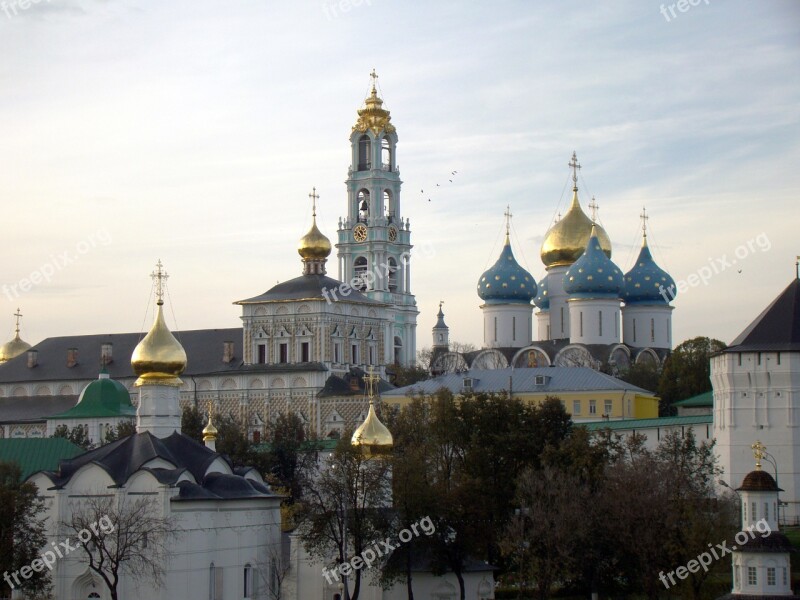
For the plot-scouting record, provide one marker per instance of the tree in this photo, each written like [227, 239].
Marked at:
[22, 534]
[193, 420]
[122, 430]
[123, 535]
[645, 375]
[77, 435]
[687, 371]
[342, 511]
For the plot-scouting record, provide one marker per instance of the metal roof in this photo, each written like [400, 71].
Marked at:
[700, 401]
[776, 329]
[647, 423]
[33, 455]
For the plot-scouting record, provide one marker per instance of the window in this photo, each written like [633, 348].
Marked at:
[386, 154]
[247, 586]
[354, 354]
[766, 510]
[600, 323]
[592, 407]
[337, 352]
[360, 273]
[744, 512]
[580, 317]
[753, 513]
[392, 274]
[752, 576]
[634, 330]
[364, 162]
[608, 407]
[305, 351]
[371, 355]
[783, 577]
[283, 352]
[652, 330]
[212, 582]
[779, 358]
[513, 328]
[771, 576]
[576, 407]
[562, 319]
[495, 329]
[262, 353]
[759, 358]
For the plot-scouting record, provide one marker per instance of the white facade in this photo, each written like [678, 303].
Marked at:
[647, 325]
[559, 309]
[757, 396]
[594, 320]
[507, 325]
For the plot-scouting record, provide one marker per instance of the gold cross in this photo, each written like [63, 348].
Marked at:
[594, 206]
[374, 77]
[508, 216]
[314, 197]
[371, 381]
[160, 276]
[575, 166]
[644, 218]
[18, 314]
[759, 452]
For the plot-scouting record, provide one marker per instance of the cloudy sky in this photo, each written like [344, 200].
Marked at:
[193, 131]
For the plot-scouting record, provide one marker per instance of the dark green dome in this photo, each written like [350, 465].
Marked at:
[103, 397]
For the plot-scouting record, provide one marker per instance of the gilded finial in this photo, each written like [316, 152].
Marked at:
[759, 452]
[371, 380]
[594, 206]
[18, 314]
[209, 431]
[508, 216]
[160, 277]
[372, 436]
[314, 197]
[374, 77]
[574, 165]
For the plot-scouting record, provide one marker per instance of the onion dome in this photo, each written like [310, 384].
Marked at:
[15, 346]
[159, 358]
[542, 300]
[103, 397]
[566, 240]
[506, 282]
[209, 431]
[373, 116]
[314, 245]
[373, 436]
[593, 274]
[646, 282]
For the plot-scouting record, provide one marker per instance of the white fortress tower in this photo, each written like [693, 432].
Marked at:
[756, 382]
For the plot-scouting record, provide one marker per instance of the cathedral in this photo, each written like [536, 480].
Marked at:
[590, 313]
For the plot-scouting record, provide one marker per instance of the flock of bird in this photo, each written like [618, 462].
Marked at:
[452, 174]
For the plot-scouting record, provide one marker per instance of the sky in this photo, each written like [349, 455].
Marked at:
[193, 131]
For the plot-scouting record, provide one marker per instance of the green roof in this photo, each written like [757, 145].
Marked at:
[647, 423]
[324, 445]
[103, 397]
[704, 400]
[37, 454]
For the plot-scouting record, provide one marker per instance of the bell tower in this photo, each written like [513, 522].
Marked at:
[374, 243]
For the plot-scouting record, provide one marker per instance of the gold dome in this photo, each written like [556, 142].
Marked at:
[13, 348]
[314, 245]
[159, 358]
[373, 435]
[373, 116]
[566, 241]
[209, 432]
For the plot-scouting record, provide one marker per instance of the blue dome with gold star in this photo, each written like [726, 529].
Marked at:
[542, 300]
[507, 282]
[593, 274]
[646, 282]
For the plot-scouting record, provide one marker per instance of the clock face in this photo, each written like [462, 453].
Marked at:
[360, 233]
[392, 233]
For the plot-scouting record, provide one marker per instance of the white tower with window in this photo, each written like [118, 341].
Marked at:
[374, 247]
[761, 567]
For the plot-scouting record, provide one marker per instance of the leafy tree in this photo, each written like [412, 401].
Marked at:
[22, 534]
[402, 376]
[645, 375]
[122, 430]
[193, 420]
[687, 371]
[341, 512]
[126, 535]
[77, 435]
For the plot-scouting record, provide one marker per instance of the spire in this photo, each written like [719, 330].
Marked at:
[210, 432]
[159, 276]
[373, 116]
[508, 216]
[574, 165]
[18, 315]
[593, 205]
[440, 324]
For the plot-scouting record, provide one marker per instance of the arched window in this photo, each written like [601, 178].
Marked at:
[398, 350]
[364, 162]
[386, 154]
[363, 205]
[392, 274]
[248, 581]
[360, 272]
[388, 207]
[212, 582]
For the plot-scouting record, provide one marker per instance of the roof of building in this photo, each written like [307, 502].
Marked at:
[506, 281]
[594, 274]
[703, 400]
[759, 481]
[204, 349]
[647, 423]
[103, 397]
[33, 409]
[124, 457]
[776, 329]
[37, 454]
[522, 380]
[646, 282]
[311, 287]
